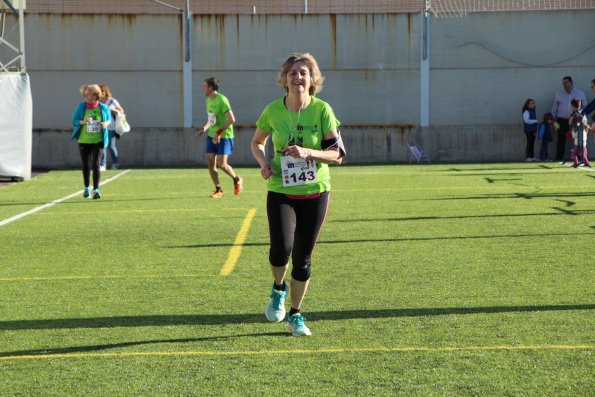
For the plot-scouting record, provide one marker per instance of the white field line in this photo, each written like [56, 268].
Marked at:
[52, 203]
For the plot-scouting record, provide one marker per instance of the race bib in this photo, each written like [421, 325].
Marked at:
[93, 127]
[211, 119]
[296, 172]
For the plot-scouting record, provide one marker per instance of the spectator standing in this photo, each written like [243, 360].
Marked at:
[591, 106]
[561, 109]
[545, 134]
[115, 108]
[530, 128]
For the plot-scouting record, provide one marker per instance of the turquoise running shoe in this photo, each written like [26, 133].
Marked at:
[96, 194]
[297, 325]
[275, 310]
[87, 192]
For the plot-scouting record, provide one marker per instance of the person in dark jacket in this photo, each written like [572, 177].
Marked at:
[530, 128]
[545, 135]
[591, 106]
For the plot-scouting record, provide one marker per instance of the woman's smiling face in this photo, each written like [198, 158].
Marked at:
[298, 78]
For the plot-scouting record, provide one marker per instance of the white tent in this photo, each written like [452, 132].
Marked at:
[16, 119]
[16, 113]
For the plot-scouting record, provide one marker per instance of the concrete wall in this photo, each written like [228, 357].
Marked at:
[483, 66]
[180, 147]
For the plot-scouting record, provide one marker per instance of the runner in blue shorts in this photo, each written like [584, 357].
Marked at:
[219, 128]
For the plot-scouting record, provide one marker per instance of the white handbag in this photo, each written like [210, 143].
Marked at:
[122, 125]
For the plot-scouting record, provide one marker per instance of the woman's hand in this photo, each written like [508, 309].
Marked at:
[104, 124]
[266, 171]
[297, 152]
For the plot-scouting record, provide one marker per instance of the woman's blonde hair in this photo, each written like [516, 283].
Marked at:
[316, 78]
[92, 88]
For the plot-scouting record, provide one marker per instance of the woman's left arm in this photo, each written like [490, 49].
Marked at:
[332, 155]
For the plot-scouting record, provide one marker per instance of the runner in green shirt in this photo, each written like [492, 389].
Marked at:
[219, 128]
[90, 120]
[305, 137]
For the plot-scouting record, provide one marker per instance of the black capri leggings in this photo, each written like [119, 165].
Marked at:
[90, 156]
[294, 225]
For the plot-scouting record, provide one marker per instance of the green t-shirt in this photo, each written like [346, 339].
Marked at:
[216, 109]
[305, 129]
[92, 133]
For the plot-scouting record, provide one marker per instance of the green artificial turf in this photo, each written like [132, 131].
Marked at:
[474, 279]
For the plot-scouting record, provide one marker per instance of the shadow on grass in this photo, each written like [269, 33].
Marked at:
[494, 180]
[568, 203]
[495, 173]
[390, 240]
[437, 218]
[526, 196]
[98, 348]
[518, 169]
[253, 318]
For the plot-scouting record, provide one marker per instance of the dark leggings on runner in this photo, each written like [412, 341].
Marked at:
[90, 155]
[294, 225]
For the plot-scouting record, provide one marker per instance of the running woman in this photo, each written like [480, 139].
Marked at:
[305, 137]
[90, 120]
[219, 127]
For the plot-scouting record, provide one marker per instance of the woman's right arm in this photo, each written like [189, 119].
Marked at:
[258, 143]
[77, 117]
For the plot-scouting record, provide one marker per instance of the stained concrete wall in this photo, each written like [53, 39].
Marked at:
[180, 147]
[483, 67]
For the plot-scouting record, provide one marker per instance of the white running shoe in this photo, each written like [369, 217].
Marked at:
[275, 310]
[297, 325]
